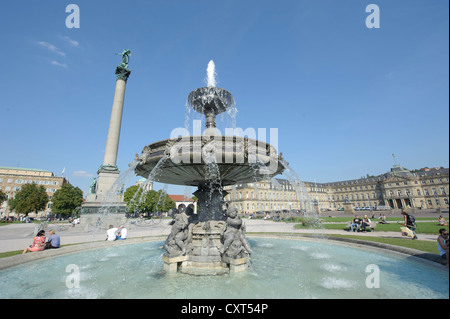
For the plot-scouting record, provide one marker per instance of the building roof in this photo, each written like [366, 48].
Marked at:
[24, 169]
[180, 198]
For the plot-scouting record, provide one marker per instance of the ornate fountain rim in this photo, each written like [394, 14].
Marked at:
[236, 166]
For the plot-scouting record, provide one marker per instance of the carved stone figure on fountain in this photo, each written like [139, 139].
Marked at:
[175, 244]
[235, 244]
[193, 218]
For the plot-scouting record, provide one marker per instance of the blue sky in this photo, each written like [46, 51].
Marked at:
[343, 97]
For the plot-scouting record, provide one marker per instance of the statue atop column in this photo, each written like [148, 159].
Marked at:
[122, 70]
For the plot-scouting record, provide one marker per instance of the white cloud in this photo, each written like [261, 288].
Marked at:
[70, 41]
[63, 65]
[82, 174]
[51, 47]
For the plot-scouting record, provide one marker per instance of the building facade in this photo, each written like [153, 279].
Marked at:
[183, 200]
[13, 178]
[399, 188]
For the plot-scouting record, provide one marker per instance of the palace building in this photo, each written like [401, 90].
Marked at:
[399, 188]
[13, 178]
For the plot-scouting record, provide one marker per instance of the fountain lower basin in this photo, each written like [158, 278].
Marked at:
[281, 268]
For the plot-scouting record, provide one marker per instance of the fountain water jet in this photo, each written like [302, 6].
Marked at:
[211, 72]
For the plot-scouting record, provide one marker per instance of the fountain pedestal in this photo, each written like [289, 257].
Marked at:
[204, 251]
[210, 202]
[213, 247]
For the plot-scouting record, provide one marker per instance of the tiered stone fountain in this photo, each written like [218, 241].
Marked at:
[212, 241]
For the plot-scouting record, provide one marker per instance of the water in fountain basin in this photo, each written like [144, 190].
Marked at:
[280, 269]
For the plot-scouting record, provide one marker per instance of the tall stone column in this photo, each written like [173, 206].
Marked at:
[112, 141]
[101, 193]
[108, 171]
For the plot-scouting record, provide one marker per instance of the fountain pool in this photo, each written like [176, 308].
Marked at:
[281, 268]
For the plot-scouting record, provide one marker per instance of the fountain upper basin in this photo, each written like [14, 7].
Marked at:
[231, 159]
[213, 100]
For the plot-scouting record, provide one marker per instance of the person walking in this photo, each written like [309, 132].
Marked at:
[410, 222]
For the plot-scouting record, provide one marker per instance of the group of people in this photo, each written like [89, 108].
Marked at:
[39, 243]
[54, 241]
[359, 224]
[114, 233]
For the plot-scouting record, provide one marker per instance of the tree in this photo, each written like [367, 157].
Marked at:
[66, 199]
[147, 202]
[3, 197]
[163, 202]
[31, 198]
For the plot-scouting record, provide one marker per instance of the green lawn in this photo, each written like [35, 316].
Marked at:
[426, 246]
[423, 226]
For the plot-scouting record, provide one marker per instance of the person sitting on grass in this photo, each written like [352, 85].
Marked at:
[442, 221]
[111, 233]
[38, 243]
[53, 241]
[122, 233]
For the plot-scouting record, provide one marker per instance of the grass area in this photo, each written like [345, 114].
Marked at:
[394, 224]
[421, 227]
[426, 246]
[347, 219]
[18, 252]
[10, 253]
